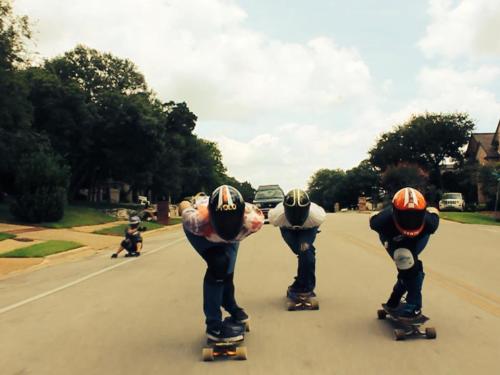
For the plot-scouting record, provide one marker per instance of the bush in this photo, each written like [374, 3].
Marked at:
[403, 175]
[41, 183]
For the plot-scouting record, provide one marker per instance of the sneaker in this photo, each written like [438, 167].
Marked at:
[295, 289]
[227, 333]
[115, 255]
[240, 316]
[409, 312]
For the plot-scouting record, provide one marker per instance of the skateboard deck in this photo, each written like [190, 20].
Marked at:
[407, 327]
[224, 349]
[301, 301]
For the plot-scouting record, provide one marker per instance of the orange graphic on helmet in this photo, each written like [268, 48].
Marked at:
[409, 211]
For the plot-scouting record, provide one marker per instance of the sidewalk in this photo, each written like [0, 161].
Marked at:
[91, 243]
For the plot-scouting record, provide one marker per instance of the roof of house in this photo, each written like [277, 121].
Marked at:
[485, 140]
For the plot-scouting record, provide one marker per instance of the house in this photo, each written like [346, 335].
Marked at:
[483, 149]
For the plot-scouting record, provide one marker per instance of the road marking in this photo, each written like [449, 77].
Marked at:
[487, 302]
[84, 278]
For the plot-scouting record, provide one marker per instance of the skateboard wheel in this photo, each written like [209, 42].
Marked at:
[399, 334]
[430, 332]
[314, 305]
[290, 305]
[208, 354]
[381, 314]
[241, 353]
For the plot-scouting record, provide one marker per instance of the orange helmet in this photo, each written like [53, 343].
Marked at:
[409, 211]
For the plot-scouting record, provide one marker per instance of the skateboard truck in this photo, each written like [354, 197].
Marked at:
[301, 301]
[224, 349]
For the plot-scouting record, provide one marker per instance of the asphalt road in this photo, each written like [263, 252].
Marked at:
[144, 315]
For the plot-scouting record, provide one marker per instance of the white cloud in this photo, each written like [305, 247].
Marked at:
[202, 52]
[447, 89]
[465, 28]
[291, 153]
[279, 110]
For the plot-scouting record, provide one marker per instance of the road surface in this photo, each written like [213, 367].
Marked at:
[144, 315]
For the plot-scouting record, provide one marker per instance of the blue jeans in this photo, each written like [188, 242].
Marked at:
[409, 283]
[216, 293]
[306, 270]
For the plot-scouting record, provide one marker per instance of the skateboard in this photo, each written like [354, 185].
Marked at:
[406, 328]
[224, 349]
[301, 301]
[227, 349]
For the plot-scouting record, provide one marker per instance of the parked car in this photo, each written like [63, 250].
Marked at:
[267, 197]
[452, 201]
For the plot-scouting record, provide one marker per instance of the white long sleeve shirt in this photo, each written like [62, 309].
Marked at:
[278, 219]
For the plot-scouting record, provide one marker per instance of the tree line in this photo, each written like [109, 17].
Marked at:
[87, 119]
[411, 154]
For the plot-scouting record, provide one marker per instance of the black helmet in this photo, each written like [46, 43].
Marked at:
[226, 208]
[297, 205]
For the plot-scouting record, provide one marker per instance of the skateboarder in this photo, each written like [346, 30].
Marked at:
[404, 229]
[133, 239]
[299, 219]
[215, 226]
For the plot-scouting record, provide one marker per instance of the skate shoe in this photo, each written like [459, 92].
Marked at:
[229, 332]
[303, 292]
[409, 312]
[239, 315]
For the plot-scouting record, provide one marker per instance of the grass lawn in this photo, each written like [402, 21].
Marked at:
[469, 218]
[74, 216]
[6, 236]
[119, 230]
[41, 249]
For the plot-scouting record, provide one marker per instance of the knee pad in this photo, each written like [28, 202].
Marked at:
[218, 264]
[412, 272]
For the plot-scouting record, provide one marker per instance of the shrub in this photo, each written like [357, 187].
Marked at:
[41, 182]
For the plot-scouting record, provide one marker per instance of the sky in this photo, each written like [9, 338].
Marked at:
[286, 87]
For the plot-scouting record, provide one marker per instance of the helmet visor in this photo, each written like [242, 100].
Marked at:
[228, 225]
[410, 220]
[296, 215]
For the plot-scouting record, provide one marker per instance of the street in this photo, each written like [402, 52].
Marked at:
[144, 315]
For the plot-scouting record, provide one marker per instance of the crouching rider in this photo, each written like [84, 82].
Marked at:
[215, 226]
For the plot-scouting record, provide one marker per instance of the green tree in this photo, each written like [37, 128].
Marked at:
[362, 180]
[41, 182]
[325, 188]
[426, 140]
[14, 32]
[15, 109]
[98, 73]
[404, 175]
